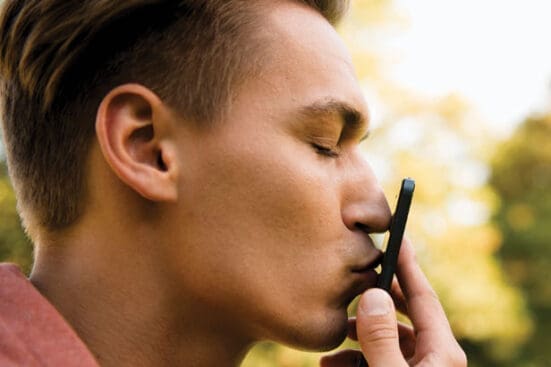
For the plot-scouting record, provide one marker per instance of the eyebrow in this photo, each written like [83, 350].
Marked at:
[351, 118]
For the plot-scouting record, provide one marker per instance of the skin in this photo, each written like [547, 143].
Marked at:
[196, 243]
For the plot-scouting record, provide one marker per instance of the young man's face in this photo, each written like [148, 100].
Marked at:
[266, 229]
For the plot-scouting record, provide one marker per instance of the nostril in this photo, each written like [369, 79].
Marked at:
[369, 217]
[364, 227]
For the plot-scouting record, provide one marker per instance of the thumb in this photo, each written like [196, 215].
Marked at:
[377, 329]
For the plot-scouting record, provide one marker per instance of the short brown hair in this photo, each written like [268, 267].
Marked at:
[58, 58]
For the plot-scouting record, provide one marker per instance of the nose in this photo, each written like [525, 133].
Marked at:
[364, 205]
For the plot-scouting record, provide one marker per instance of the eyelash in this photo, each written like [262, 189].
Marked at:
[325, 151]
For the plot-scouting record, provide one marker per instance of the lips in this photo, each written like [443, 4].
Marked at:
[363, 277]
[360, 281]
[369, 264]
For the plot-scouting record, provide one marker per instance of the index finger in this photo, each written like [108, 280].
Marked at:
[424, 308]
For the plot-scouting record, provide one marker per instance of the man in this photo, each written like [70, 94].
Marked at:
[191, 177]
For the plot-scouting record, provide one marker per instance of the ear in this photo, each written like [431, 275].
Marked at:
[133, 128]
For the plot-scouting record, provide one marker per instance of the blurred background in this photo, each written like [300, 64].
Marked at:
[460, 99]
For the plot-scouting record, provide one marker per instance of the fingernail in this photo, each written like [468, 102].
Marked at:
[375, 302]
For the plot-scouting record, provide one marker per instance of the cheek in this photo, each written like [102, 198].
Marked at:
[280, 196]
[270, 224]
[277, 189]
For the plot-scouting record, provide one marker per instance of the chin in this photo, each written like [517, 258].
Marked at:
[319, 334]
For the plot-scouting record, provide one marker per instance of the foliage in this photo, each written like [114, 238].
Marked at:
[522, 178]
[14, 245]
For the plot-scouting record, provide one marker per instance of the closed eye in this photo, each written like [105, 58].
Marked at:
[326, 151]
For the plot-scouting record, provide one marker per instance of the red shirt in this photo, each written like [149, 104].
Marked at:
[32, 332]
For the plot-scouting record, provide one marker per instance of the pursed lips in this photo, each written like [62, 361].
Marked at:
[363, 277]
[370, 264]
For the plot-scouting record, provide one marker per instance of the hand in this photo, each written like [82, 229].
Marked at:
[384, 341]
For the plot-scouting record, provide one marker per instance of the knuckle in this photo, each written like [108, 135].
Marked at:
[458, 358]
[428, 295]
[446, 356]
[381, 334]
[455, 357]
[413, 255]
[431, 293]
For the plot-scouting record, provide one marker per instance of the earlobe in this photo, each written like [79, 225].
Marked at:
[133, 130]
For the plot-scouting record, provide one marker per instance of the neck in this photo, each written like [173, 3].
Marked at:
[126, 310]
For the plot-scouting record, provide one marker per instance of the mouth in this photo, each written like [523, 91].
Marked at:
[370, 264]
[364, 277]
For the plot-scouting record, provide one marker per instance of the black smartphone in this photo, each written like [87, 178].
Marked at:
[397, 227]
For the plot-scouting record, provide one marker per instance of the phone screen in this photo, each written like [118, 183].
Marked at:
[397, 228]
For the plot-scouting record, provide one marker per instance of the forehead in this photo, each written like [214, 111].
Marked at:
[297, 26]
[305, 63]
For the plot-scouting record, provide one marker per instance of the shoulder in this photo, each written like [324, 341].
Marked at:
[32, 332]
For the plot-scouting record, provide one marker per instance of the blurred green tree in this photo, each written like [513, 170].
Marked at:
[14, 245]
[521, 176]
